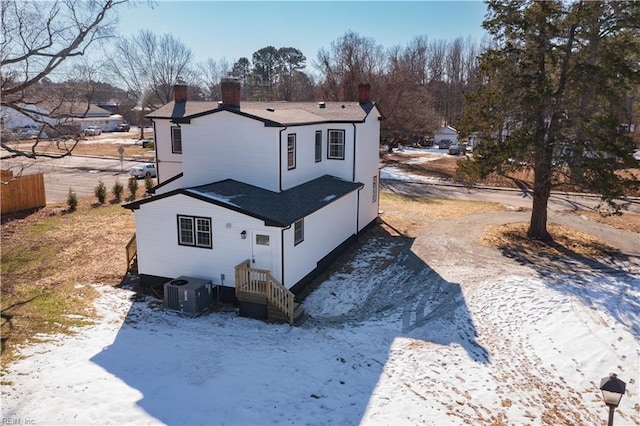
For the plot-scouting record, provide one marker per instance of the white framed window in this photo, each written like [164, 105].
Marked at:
[374, 189]
[318, 146]
[298, 232]
[176, 140]
[291, 151]
[195, 231]
[335, 145]
[262, 240]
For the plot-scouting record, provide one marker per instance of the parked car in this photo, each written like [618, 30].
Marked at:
[123, 127]
[143, 170]
[444, 144]
[454, 149]
[93, 131]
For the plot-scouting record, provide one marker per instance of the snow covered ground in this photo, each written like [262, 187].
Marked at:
[394, 338]
[403, 345]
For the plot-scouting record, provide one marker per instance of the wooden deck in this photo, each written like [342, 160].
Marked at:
[259, 287]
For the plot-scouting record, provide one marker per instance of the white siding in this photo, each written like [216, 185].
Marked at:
[340, 168]
[306, 167]
[324, 230]
[445, 133]
[157, 238]
[225, 145]
[176, 184]
[367, 160]
[168, 163]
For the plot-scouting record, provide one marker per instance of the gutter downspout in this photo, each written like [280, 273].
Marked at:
[280, 159]
[354, 152]
[282, 254]
[155, 148]
[354, 179]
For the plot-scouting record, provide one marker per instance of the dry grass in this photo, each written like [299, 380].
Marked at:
[101, 145]
[625, 222]
[408, 214]
[445, 168]
[50, 259]
[513, 236]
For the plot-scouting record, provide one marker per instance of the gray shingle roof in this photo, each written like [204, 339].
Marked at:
[274, 113]
[275, 208]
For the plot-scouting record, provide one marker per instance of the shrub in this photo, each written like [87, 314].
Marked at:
[117, 190]
[148, 183]
[101, 192]
[72, 200]
[133, 187]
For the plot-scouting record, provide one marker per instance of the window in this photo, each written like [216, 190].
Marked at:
[194, 231]
[318, 146]
[298, 232]
[336, 145]
[262, 240]
[374, 188]
[291, 151]
[176, 140]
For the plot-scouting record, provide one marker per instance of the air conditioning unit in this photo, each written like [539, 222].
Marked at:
[188, 295]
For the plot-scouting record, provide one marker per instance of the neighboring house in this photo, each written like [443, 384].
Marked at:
[14, 120]
[86, 115]
[282, 187]
[445, 133]
[82, 114]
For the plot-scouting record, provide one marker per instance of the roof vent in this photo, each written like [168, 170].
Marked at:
[219, 103]
[270, 109]
[321, 105]
[343, 106]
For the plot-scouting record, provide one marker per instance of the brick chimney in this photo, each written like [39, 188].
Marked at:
[364, 93]
[230, 88]
[180, 93]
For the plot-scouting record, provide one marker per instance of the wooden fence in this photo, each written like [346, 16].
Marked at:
[22, 192]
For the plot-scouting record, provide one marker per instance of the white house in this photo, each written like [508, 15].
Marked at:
[445, 133]
[79, 113]
[282, 187]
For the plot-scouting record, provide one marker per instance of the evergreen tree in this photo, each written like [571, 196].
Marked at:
[551, 97]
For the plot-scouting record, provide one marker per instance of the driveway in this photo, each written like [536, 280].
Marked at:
[520, 198]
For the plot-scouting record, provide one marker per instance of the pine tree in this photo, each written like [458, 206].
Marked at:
[551, 98]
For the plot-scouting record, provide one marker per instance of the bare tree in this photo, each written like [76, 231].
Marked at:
[150, 65]
[351, 60]
[208, 74]
[38, 38]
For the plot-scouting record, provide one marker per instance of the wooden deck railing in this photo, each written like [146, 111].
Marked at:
[260, 281]
[132, 251]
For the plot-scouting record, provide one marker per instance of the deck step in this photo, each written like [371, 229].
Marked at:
[276, 315]
[260, 299]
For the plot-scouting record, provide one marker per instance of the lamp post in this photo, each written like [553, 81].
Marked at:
[612, 390]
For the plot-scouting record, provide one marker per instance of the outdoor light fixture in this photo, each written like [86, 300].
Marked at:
[243, 235]
[612, 390]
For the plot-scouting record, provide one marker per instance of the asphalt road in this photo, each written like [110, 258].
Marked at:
[82, 174]
[511, 197]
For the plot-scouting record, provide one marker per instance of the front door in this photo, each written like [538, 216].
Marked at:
[261, 250]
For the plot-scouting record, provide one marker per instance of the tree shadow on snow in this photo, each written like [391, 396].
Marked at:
[223, 369]
[604, 283]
